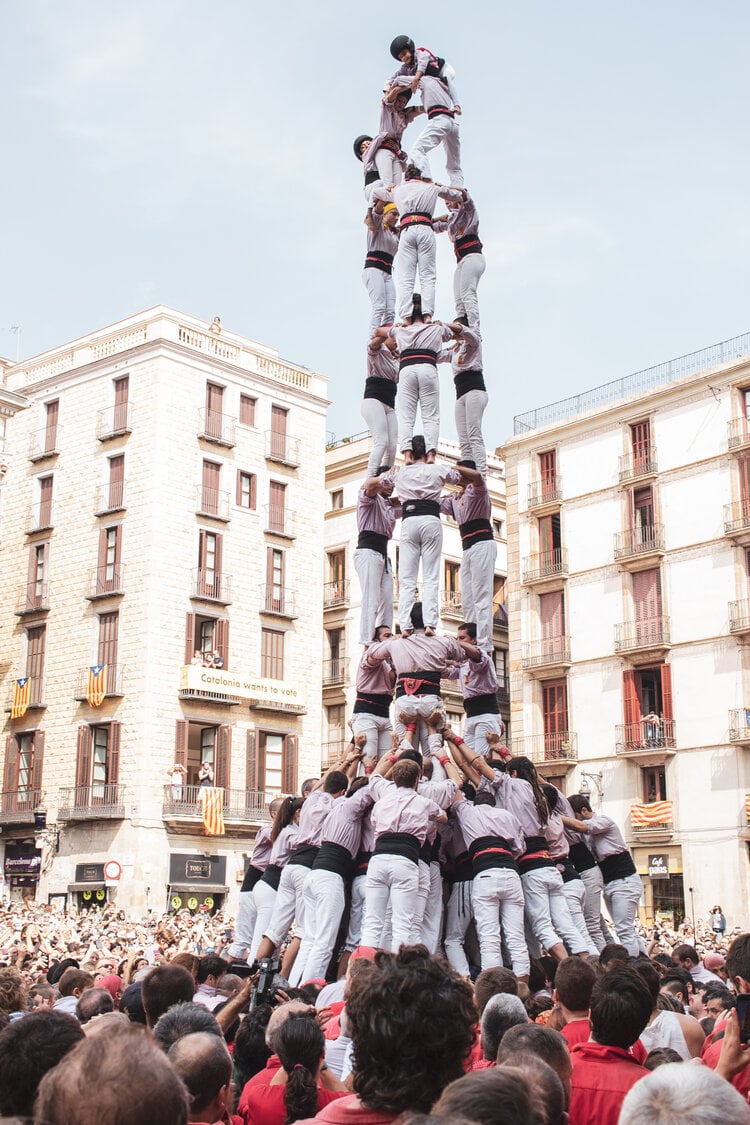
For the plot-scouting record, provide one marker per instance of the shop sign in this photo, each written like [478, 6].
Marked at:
[197, 869]
[89, 873]
[22, 863]
[658, 866]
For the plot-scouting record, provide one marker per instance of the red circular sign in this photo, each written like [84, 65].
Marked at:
[112, 870]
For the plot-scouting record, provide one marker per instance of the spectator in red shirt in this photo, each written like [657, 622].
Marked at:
[738, 969]
[574, 983]
[603, 1070]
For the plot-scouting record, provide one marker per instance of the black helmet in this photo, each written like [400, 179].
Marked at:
[401, 43]
[358, 144]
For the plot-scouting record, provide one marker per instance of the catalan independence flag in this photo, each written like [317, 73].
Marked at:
[212, 810]
[96, 686]
[645, 816]
[21, 698]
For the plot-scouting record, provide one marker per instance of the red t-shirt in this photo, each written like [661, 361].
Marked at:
[577, 1031]
[740, 1081]
[265, 1105]
[349, 1111]
[601, 1078]
[263, 1077]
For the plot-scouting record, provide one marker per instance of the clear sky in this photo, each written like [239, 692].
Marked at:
[200, 155]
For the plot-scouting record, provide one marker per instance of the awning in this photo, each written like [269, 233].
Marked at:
[198, 889]
[86, 886]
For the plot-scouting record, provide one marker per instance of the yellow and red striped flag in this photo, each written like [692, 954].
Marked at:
[747, 808]
[645, 816]
[212, 810]
[96, 686]
[21, 697]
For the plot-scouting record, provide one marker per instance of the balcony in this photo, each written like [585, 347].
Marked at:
[114, 686]
[557, 752]
[336, 594]
[242, 808]
[18, 807]
[739, 726]
[332, 752]
[44, 443]
[111, 498]
[113, 422]
[91, 802]
[637, 466]
[547, 656]
[106, 581]
[282, 449]
[738, 434]
[451, 687]
[200, 695]
[739, 617]
[212, 586]
[32, 598]
[277, 600]
[40, 517]
[650, 741]
[280, 521]
[35, 701]
[450, 605]
[638, 548]
[212, 502]
[548, 568]
[737, 521]
[335, 673]
[643, 641]
[652, 823]
[221, 429]
[503, 688]
[544, 494]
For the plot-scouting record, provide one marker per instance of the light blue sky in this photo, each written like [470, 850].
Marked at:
[200, 155]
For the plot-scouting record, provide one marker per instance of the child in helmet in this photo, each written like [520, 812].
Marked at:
[434, 78]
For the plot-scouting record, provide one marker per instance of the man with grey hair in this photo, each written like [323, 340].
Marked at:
[204, 1064]
[185, 1018]
[535, 1040]
[690, 1095]
[502, 1012]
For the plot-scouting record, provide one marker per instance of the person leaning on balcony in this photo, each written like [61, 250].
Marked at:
[177, 775]
[622, 885]
[205, 775]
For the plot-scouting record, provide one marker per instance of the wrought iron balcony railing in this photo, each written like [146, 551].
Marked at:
[101, 801]
[217, 427]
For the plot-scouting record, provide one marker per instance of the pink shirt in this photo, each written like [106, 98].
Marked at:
[604, 837]
[554, 833]
[262, 848]
[284, 845]
[431, 335]
[417, 653]
[421, 481]
[382, 364]
[313, 816]
[462, 222]
[374, 513]
[472, 504]
[516, 796]
[477, 821]
[477, 677]
[343, 825]
[382, 238]
[401, 810]
[374, 681]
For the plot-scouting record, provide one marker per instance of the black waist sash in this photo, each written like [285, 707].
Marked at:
[418, 683]
[333, 857]
[582, 857]
[491, 851]
[304, 855]
[252, 876]
[373, 541]
[272, 875]
[536, 855]
[481, 705]
[419, 508]
[475, 531]
[373, 703]
[462, 869]
[398, 843]
[567, 869]
[469, 244]
[469, 380]
[438, 110]
[371, 176]
[384, 390]
[416, 219]
[361, 863]
[425, 853]
[410, 356]
[617, 866]
[379, 260]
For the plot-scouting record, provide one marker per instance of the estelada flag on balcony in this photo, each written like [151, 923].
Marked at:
[96, 685]
[212, 810]
[644, 816]
[21, 697]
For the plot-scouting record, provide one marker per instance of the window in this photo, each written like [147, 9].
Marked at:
[214, 410]
[22, 776]
[555, 717]
[197, 742]
[336, 566]
[109, 625]
[334, 665]
[647, 604]
[497, 528]
[274, 601]
[552, 621]
[36, 582]
[336, 724]
[246, 490]
[647, 707]
[116, 484]
[207, 640]
[550, 543]
[743, 467]
[273, 768]
[36, 640]
[247, 410]
[279, 419]
[654, 784]
[210, 483]
[276, 507]
[120, 417]
[745, 401]
[108, 576]
[548, 474]
[45, 501]
[640, 444]
[452, 580]
[643, 513]
[337, 499]
[98, 764]
[272, 654]
[209, 564]
[499, 608]
[51, 413]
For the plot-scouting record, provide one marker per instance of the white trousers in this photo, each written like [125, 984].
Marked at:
[468, 412]
[376, 588]
[465, 283]
[389, 166]
[324, 903]
[458, 915]
[498, 902]
[477, 579]
[476, 729]
[622, 897]
[416, 252]
[289, 904]
[265, 897]
[592, 906]
[432, 916]
[575, 896]
[547, 911]
[418, 708]
[382, 294]
[441, 130]
[421, 538]
[244, 927]
[377, 730]
[356, 914]
[392, 880]
[418, 385]
[382, 423]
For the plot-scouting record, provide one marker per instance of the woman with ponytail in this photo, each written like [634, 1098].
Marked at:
[283, 841]
[302, 1086]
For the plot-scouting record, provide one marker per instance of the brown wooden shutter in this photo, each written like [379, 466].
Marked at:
[630, 702]
[221, 640]
[189, 636]
[251, 762]
[222, 757]
[116, 480]
[102, 561]
[10, 781]
[83, 761]
[289, 764]
[219, 552]
[666, 691]
[50, 432]
[109, 625]
[181, 742]
[113, 754]
[38, 764]
[238, 488]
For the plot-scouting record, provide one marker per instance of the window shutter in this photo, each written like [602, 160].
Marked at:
[11, 757]
[251, 762]
[113, 754]
[238, 489]
[630, 701]
[102, 550]
[253, 491]
[289, 764]
[222, 757]
[218, 559]
[189, 636]
[36, 774]
[666, 691]
[181, 743]
[83, 762]
[221, 640]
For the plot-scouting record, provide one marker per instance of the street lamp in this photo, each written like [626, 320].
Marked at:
[584, 787]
